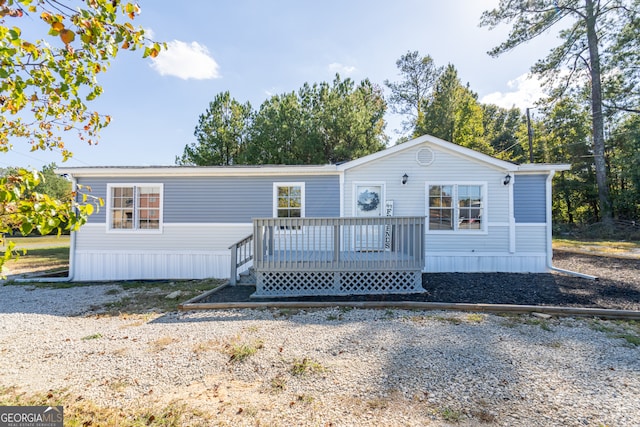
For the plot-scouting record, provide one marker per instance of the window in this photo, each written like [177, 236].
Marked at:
[288, 200]
[455, 207]
[135, 207]
[440, 207]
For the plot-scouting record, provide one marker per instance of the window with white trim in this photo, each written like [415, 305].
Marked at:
[135, 207]
[288, 200]
[455, 207]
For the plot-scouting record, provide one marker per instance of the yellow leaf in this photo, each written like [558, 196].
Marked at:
[125, 45]
[67, 36]
[153, 53]
[58, 26]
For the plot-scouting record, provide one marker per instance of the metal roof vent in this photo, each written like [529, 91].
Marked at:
[425, 156]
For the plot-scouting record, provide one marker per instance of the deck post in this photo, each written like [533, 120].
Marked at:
[233, 277]
[336, 243]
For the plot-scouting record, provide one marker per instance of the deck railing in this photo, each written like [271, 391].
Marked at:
[339, 244]
[241, 254]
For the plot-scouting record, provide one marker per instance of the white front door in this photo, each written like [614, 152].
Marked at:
[369, 202]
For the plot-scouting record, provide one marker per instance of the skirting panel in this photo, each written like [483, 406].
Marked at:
[138, 265]
[529, 263]
[311, 283]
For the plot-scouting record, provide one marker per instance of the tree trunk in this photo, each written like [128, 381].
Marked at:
[597, 117]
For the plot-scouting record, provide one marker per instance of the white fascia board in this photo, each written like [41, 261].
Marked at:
[437, 142]
[165, 171]
[542, 167]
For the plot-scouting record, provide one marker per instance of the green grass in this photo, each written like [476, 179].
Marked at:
[631, 339]
[628, 330]
[150, 296]
[38, 241]
[92, 337]
[39, 259]
[239, 352]
[450, 415]
[605, 247]
[306, 366]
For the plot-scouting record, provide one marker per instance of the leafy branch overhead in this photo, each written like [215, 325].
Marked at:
[23, 208]
[45, 83]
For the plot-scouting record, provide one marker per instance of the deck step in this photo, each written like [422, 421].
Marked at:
[247, 277]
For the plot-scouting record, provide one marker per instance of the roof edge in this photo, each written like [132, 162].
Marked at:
[161, 171]
[543, 167]
[441, 143]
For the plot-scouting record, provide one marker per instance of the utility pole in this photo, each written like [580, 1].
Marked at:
[530, 134]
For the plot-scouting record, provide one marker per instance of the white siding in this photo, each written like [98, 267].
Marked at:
[485, 263]
[174, 237]
[182, 251]
[409, 199]
[145, 265]
[459, 251]
[496, 240]
[531, 238]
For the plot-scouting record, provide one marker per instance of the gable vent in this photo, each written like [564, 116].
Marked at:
[425, 156]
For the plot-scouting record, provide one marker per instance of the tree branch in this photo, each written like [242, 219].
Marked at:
[620, 108]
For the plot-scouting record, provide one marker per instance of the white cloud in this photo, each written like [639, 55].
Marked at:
[336, 67]
[186, 61]
[524, 92]
[149, 33]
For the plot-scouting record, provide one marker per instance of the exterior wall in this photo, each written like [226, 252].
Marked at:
[462, 251]
[182, 251]
[529, 198]
[202, 217]
[409, 199]
[532, 231]
[226, 199]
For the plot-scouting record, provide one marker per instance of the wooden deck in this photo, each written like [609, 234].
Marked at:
[338, 256]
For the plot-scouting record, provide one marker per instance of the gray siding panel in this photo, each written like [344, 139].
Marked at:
[227, 199]
[529, 198]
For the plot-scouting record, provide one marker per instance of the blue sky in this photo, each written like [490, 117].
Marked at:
[256, 48]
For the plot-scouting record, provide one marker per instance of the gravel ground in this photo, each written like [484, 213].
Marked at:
[330, 367]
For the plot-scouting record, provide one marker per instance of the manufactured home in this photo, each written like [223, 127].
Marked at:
[373, 224]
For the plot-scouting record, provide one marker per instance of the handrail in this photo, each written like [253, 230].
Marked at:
[241, 254]
[339, 244]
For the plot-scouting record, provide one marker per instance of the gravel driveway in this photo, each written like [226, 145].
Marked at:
[330, 367]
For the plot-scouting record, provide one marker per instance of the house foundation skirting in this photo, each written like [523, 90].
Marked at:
[314, 283]
[150, 265]
[485, 263]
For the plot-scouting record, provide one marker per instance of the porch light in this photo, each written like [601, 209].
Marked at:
[507, 179]
[405, 178]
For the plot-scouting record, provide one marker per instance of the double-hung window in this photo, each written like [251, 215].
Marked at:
[135, 207]
[288, 200]
[456, 207]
